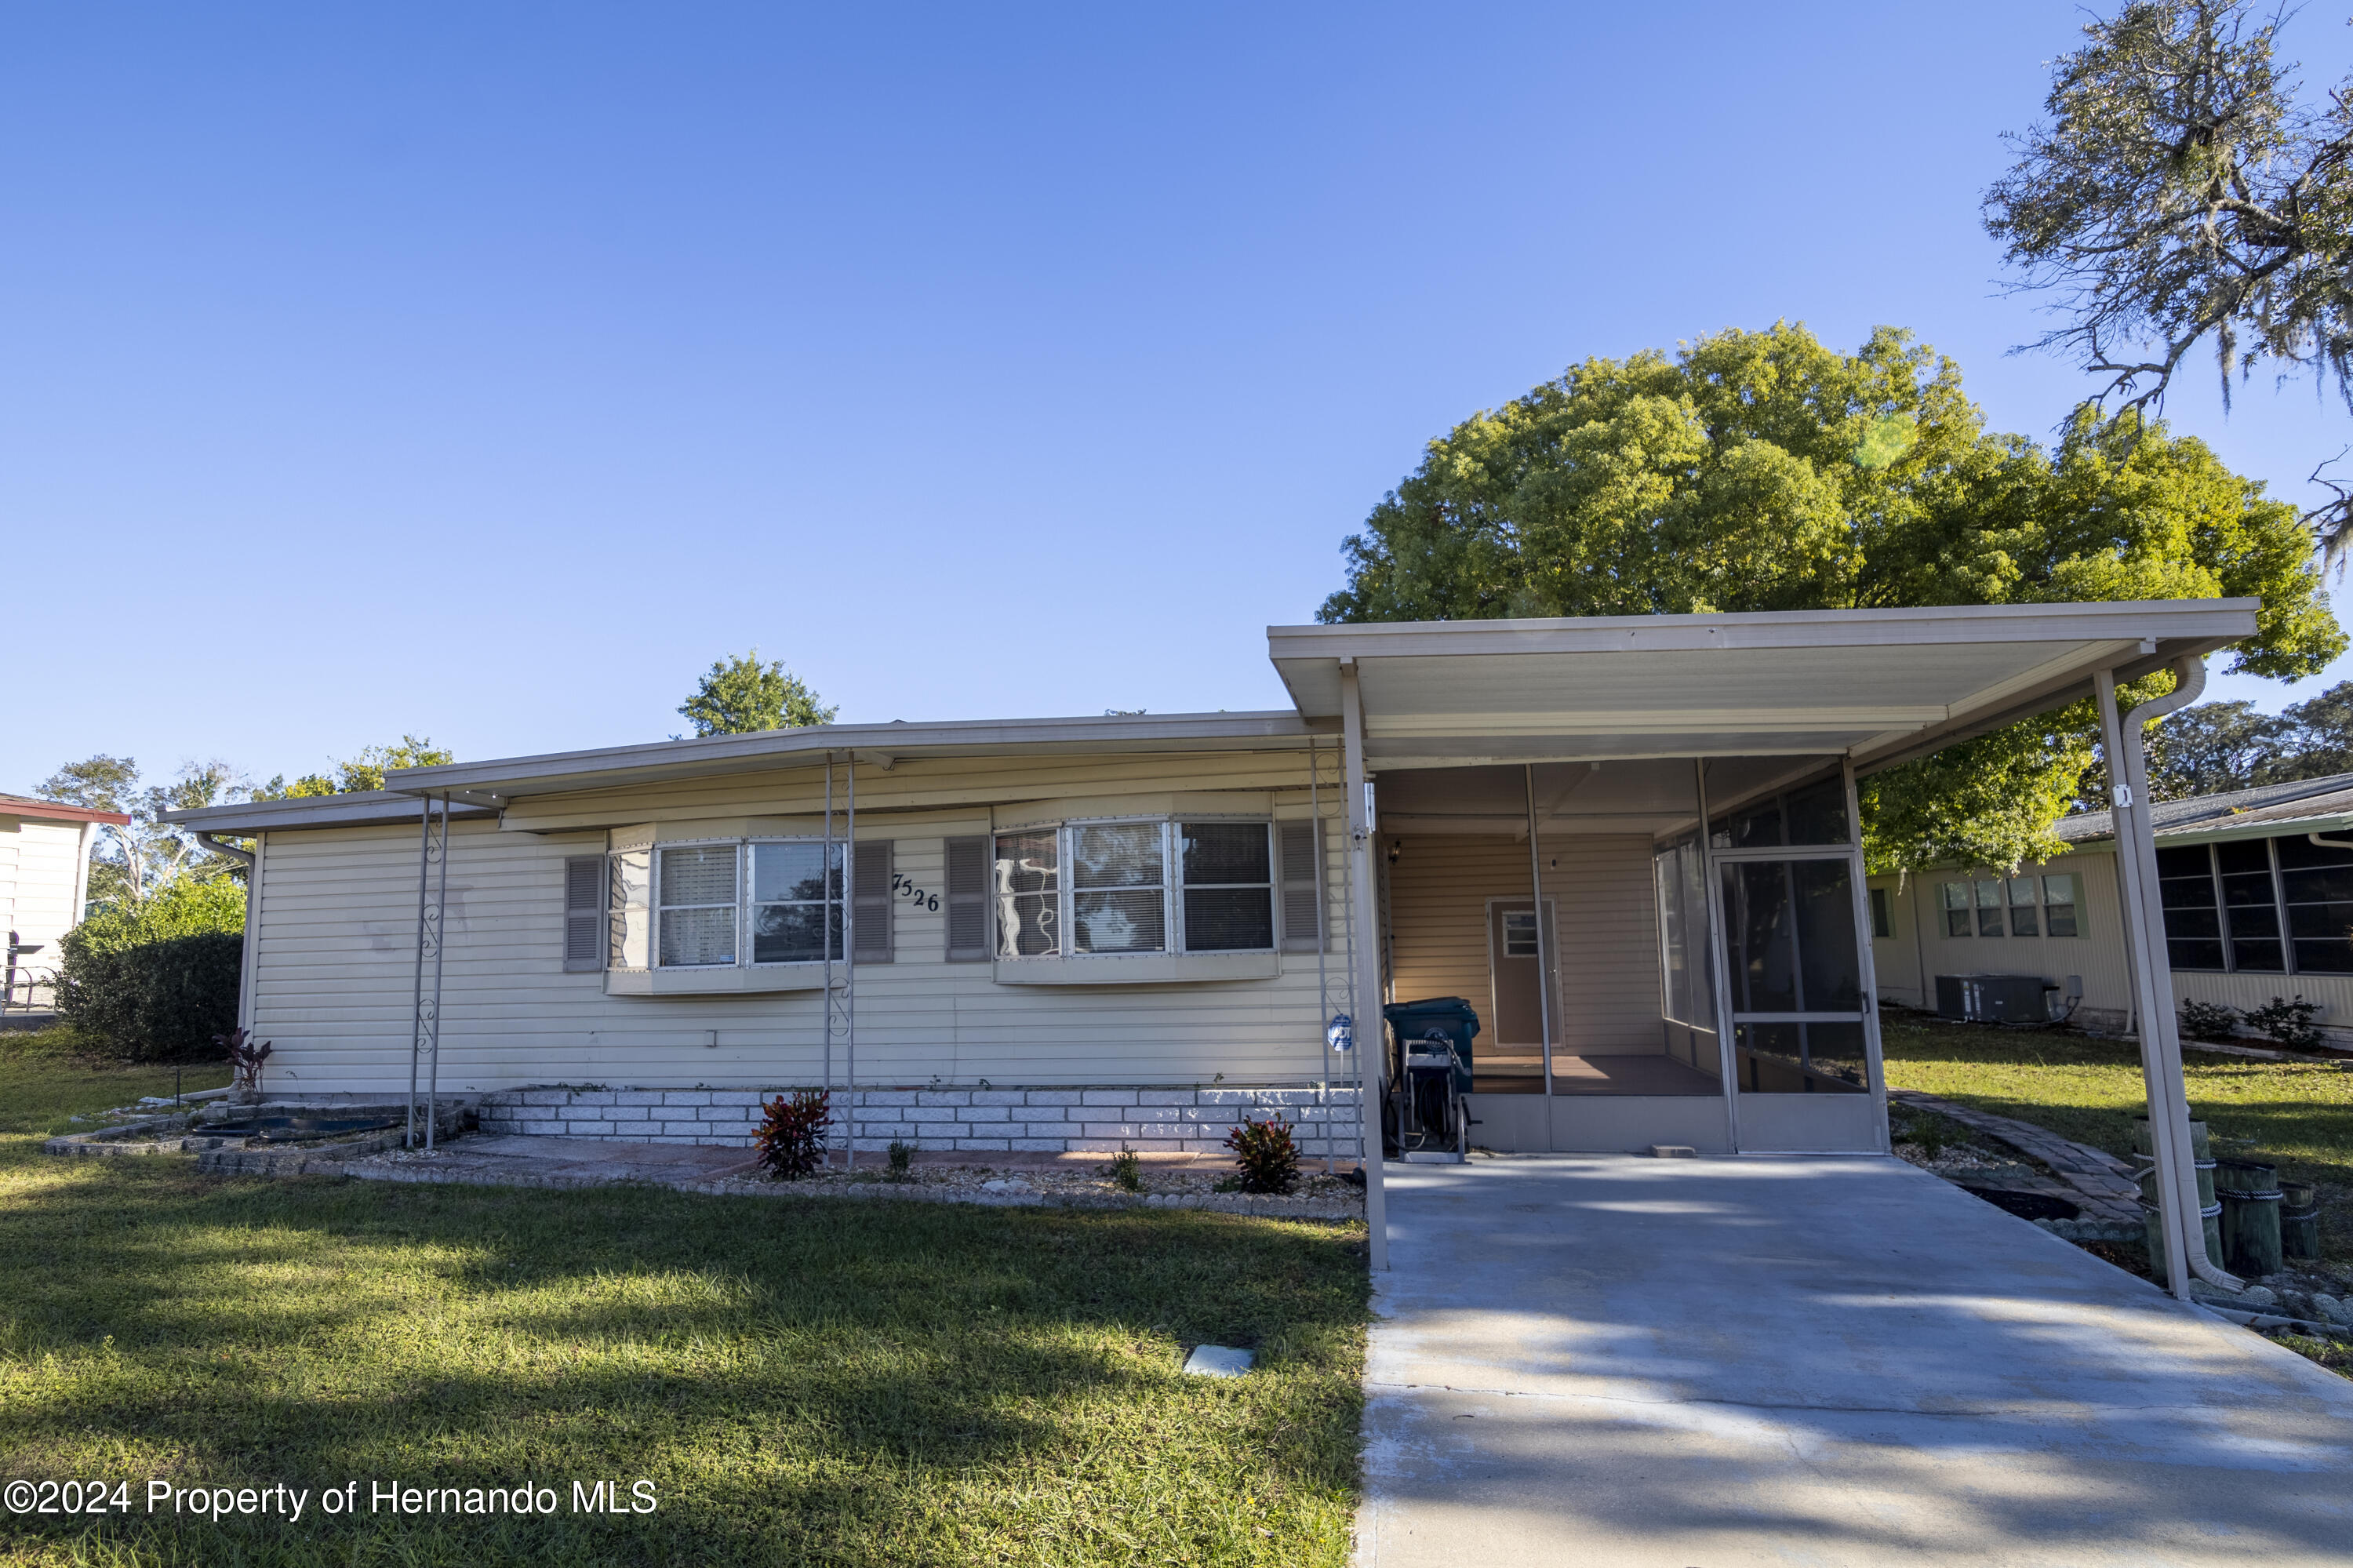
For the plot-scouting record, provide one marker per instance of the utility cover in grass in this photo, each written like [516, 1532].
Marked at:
[1217, 1360]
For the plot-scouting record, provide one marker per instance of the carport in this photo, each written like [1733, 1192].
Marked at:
[1722, 751]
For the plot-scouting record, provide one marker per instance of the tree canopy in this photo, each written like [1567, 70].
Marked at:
[364, 772]
[2219, 747]
[740, 695]
[146, 854]
[1755, 470]
[2182, 190]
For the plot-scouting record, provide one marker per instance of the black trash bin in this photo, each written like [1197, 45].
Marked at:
[1447, 1017]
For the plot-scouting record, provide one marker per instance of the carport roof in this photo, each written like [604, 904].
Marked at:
[1881, 685]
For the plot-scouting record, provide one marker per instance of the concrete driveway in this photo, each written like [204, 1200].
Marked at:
[1622, 1362]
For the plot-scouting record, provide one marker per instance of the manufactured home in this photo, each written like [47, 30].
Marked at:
[1631, 844]
[2256, 890]
[45, 849]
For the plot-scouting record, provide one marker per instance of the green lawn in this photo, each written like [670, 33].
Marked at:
[801, 1382]
[2299, 1113]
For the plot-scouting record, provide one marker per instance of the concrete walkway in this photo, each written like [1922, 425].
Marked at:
[1625, 1362]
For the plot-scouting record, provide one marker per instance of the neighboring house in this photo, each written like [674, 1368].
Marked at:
[2257, 889]
[44, 883]
[1631, 841]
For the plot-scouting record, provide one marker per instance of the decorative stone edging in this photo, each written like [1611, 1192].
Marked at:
[747, 1187]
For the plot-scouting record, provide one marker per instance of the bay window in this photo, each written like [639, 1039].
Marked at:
[1136, 888]
[777, 901]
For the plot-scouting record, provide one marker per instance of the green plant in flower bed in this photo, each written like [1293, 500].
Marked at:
[2291, 1023]
[790, 1142]
[1267, 1154]
[1125, 1170]
[2208, 1021]
[803, 1380]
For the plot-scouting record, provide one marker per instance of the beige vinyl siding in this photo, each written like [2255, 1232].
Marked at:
[41, 868]
[1907, 973]
[336, 949]
[1908, 970]
[1604, 908]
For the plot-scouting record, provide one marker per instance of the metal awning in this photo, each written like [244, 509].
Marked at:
[1879, 685]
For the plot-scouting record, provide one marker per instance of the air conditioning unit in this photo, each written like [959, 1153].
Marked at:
[1994, 999]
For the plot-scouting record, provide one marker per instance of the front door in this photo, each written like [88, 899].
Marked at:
[1513, 958]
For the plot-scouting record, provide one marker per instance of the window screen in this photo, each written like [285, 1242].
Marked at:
[2062, 901]
[1958, 919]
[1990, 906]
[2316, 891]
[1028, 887]
[796, 903]
[2250, 907]
[1228, 886]
[696, 885]
[2193, 920]
[1118, 900]
[2025, 912]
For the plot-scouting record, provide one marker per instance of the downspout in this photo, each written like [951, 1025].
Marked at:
[2160, 1039]
[243, 857]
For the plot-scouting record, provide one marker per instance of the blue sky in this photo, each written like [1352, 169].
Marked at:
[486, 371]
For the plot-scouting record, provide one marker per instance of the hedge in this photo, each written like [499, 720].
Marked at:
[157, 980]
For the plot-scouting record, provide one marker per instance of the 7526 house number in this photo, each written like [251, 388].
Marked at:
[906, 889]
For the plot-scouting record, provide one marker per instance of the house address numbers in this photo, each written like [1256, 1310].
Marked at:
[904, 887]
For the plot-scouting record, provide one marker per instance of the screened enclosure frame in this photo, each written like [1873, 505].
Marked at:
[1728, 1018]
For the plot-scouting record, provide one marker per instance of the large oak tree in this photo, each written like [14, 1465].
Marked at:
[1763, 471]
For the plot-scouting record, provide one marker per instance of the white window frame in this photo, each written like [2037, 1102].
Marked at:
[660, 908]
[744, 947]
[2041, 886]
[1172, 888]
[744, 900]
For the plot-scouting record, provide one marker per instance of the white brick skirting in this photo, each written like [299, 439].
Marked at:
[999, 1121]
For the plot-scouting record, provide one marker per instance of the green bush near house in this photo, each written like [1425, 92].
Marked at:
[155, 982]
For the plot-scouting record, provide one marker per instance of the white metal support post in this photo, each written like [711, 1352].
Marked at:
[1719, 967]
[2152, 974]
[1864, 935]
[425, 1029]
[1364, 972]
[1544, 954]
[850, 960]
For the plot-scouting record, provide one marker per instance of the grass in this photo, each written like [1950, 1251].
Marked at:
[800, 1380]
[2297, 1113]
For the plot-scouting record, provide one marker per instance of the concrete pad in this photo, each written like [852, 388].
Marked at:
[1715, 1363]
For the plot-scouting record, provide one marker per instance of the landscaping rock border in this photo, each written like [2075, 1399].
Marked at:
[2101, 1184]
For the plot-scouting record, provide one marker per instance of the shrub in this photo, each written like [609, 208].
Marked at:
[1268, 1157]
[2209, 1020]
[157, 980]
[902, 1162]
[2291, 1023]
[791, 1141]
[245, 1056]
